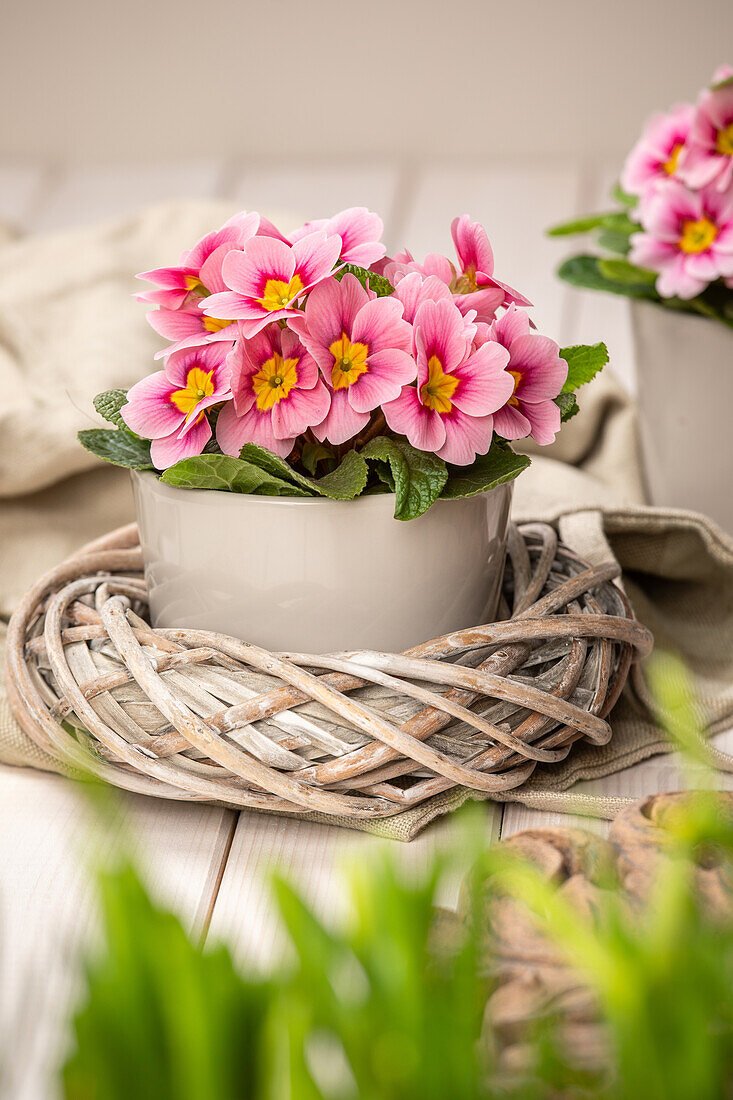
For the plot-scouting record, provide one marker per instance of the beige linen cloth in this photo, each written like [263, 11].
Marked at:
[69, 328]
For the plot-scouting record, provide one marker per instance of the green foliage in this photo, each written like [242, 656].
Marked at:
[313, 453]
[568, 406]
[585, 271]
[416, 477]
[222, 472]
[626, 199]
[121, 447]
[621, 271]
[368, 279]
[577, 226]
[108, 405]
[163, 1019]
[584, 362]
[347, 481]
[402, 1015]
[614, 222]
[390, 1005]
[500, 465]
[618, 276]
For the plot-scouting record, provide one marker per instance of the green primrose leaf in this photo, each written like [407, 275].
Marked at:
[585, 271]
[568, 406]
[312, 454]
[347, 481]
[500, 465]
[626, 199]
[108, 405]
[584, 362]
[121, 448]
[369, 279]
[621, 271]
[416, 476]
[576, 226]
[224, 473]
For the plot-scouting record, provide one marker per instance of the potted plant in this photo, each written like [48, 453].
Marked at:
[314, 397]
[669, 249]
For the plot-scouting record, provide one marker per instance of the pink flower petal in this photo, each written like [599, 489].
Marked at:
[544, 419]
[415, 289]
[509, 326]
[173, 448]
[472, 245]
[300, 410]
[315, 257]
[388, 372]
[543, 372]
[233, 431]
[342, 421]
[510, 423]
[380, 326]
[263, 258]
[407, 416]
[439, 331]
[484, 384]
[465, 437]
[149, 411]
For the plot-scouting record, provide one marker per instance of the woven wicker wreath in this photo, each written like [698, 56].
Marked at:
[188, 714]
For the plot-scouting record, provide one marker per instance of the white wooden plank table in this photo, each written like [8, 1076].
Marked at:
[211, 865]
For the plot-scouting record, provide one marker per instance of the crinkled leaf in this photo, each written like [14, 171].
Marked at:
[621, 271]
[344, 483]
[418, 476]
[500, 465]
[369, 279]
[108, 405]
[584, 271]
[121, 448]
[312, 454]
[224, 473]
[584, 362]
[568, 406]
[347, 481]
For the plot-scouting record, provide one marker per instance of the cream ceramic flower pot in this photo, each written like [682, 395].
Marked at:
[316, 575]
[684, 367]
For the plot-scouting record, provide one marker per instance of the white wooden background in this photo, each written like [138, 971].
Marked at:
[212, 865]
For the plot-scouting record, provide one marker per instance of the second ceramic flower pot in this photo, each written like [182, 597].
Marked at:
[316, 575]
[685, 381]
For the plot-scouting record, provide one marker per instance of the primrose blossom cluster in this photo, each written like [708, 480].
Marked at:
[319, 335]
[681, 173]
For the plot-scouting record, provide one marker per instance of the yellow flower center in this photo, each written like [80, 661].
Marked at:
[215, 324]
[199, 385]
[466, 282]
[724, 141]
[670, 166]
[194, 283]
[274, 381]
[517, 379]
[279, 294]
[349, 361]
[436, 393]
[697, 236]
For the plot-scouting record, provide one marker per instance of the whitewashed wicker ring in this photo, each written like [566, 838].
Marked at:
[188, 714]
